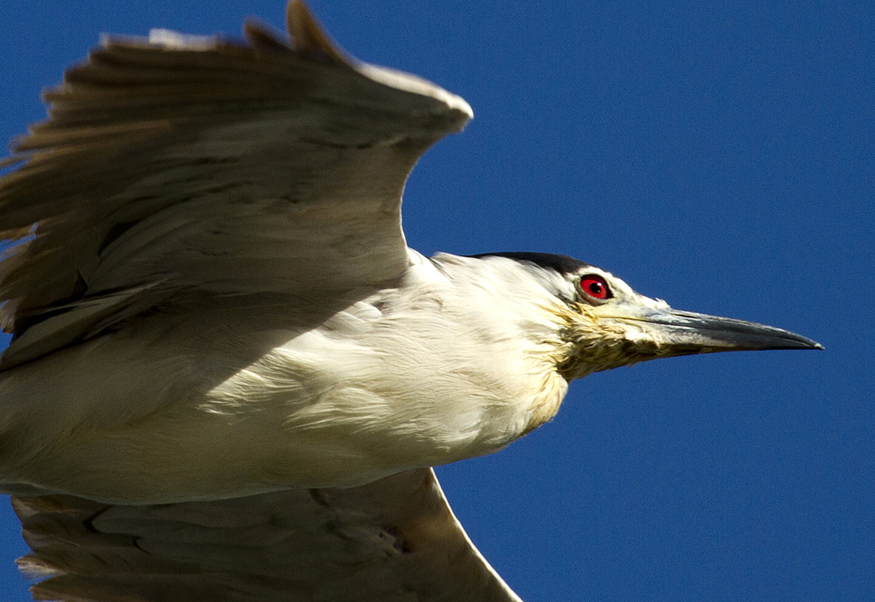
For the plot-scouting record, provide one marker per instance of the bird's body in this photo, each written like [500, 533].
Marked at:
[214, 309]
[189, 420]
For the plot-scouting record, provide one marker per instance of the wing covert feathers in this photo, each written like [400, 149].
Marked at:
[184, 167]
[392, 540]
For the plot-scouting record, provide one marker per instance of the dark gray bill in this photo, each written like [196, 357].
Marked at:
[688, 332]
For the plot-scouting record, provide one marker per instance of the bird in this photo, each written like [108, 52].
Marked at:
[229, 376]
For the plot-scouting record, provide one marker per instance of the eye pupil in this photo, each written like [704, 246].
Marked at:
[595, 288]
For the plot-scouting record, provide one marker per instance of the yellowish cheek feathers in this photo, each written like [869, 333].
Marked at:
[598, 342]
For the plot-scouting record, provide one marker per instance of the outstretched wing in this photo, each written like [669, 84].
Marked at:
[182, 166]
[393, 540]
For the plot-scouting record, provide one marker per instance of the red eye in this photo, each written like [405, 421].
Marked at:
[595, 287]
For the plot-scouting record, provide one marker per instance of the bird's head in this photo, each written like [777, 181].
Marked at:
[606, 324]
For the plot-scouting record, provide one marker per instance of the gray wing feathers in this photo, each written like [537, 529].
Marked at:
[189, 165]
[392, 540]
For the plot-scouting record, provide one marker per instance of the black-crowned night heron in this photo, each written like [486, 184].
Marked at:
[229, 375]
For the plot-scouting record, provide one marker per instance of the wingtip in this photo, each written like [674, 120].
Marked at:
[262, 36]
[308, 36]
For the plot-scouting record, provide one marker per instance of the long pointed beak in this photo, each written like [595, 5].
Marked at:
[684, 332]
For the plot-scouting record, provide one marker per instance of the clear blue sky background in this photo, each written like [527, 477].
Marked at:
[719, 155]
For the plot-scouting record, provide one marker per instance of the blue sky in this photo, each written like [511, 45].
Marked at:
[718, 155]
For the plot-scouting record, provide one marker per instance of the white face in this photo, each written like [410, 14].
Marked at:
[606, 326]
[597, 287]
